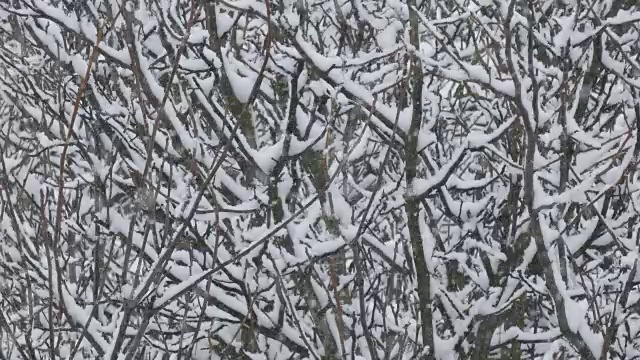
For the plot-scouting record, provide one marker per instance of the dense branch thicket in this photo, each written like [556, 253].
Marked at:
[330, 179]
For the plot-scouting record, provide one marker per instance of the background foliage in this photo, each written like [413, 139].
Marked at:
[330, 179]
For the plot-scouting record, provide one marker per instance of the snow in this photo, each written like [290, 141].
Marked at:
[327, 247]
[404, 119]
[10, 164]
[478, 139]
[349, 232]
[577, 133]
[268, 156]
[623, 16]
[241, 85]
[291, 18]
[323, 63]
[387, 37]
[423, 186]
[198, 36]
[81, 317]
[566, 25]
[361, 146]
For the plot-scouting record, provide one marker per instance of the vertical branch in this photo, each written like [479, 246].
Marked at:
[65, 148]
[412, 204]
[530, 117]
[52, 247]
